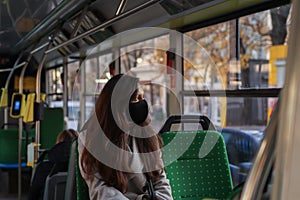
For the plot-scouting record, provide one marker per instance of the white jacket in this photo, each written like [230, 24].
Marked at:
[98, 190]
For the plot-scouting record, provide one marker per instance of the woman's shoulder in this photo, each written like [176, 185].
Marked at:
[60, 152]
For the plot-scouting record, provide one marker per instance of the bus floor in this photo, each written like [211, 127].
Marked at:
[9, 183]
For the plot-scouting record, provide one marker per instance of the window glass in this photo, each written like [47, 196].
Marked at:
[73, 69]
[146, 53]
[147, 61]
[89, 107]
[255, 60]
[263, 41]
[91, 72]
[97, 73]
[54, 87]
[232, 111]
[155, 96]
[207, 54]
[104, 72]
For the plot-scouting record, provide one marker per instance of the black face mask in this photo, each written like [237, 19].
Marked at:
[138, 111]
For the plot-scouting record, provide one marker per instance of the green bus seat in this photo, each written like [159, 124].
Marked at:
[50, 126]
[9, 145]
[82, 188]
[76, 186]
[201, 169]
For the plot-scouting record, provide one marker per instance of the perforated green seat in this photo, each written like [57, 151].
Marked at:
[201, 169]
[82, 188]
[76, 188]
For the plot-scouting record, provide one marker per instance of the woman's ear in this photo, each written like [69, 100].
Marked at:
[140, 97]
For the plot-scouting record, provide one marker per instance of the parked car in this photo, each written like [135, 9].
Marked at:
[241, 149]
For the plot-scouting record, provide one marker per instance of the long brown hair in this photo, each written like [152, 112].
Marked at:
[116, 134]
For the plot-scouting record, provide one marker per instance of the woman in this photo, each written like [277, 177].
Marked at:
[119, 151]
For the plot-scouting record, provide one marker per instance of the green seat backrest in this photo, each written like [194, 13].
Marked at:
[9, 145]
[51, 125]
[81, 186]
[197, 165]
[76, 188]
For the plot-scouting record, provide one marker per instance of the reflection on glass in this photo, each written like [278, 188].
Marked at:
[240, 112]
[210, 106]
[262, 45]
[91, 69]
[207, 54]
[96, 74]
[54, 84]
[73, 81]
[147, 61]
[144, 53]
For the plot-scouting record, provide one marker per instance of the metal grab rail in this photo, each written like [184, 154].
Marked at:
[38, 97]
[21, 127]
[176, 119]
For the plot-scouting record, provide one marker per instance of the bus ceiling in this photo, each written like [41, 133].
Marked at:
[72, 18]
